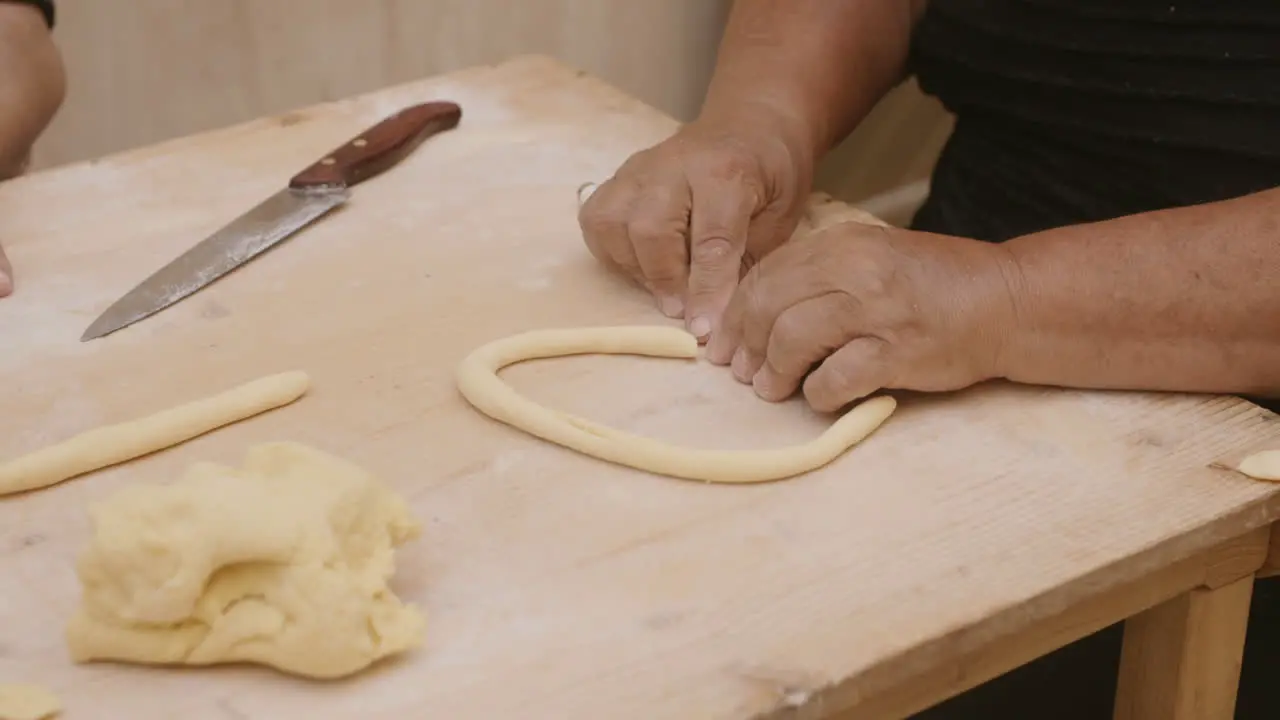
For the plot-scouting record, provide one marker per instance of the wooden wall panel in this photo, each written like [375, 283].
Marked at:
[141, 71]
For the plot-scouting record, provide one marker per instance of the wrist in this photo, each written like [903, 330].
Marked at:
[822, 66]
[765, 116]
[1007, 309]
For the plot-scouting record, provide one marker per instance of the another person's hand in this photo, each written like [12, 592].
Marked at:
[32, 87]
[868, 308]
[686, 218]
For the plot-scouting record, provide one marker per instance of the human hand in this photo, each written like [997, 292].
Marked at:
[872, 308]
[6, 275]
[687, 217]
[6, 268]
[32, 87]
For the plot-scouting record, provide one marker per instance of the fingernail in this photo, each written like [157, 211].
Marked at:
[760, 382]
[716, 353]
[700, 327]
[739, 366]
[768, 386]
[671, 306]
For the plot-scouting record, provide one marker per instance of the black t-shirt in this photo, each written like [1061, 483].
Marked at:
[1072, 111]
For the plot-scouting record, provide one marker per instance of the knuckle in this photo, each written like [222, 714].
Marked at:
[788, 333]
[663, 274]
[703, 289]
[757, 321]
[821, 397]
[838, 378]
[663, 271]
[607, 204]
[706, 282]
[726, 166]
[829, 388]
[655, 229]
[597, 220]
[713, 250]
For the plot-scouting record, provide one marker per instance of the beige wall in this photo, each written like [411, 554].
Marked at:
[897, 144]
[148, 70]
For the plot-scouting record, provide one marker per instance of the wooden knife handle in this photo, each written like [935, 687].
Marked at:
[377, 149]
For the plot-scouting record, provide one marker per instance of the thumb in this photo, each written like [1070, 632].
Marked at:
[854, 371]
[6, 275]
[718, 225]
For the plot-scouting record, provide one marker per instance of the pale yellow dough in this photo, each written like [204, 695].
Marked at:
[1263, 465]
[477, 379]
[112, 444]
[282, 563]
[27, 702]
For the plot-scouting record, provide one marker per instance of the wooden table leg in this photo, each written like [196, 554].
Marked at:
[1181, 659]
[1272, 565]
[1209, 583]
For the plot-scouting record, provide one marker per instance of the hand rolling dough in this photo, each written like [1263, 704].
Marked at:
[112, 444]
[27, 702]
[479, 383]
[284, 563]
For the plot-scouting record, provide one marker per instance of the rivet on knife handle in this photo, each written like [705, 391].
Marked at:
[380, 147]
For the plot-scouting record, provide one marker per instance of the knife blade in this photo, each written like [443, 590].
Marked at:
[309, 195]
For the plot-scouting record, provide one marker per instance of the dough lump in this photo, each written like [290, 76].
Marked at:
[479, 383]
[111, 444]
[1264, 465]
[283, 563]
[27, 702]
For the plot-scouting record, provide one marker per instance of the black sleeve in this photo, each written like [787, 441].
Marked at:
[44, 6]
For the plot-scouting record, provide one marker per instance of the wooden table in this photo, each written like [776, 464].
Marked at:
[972, 533]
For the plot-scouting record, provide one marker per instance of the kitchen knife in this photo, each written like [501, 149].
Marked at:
[309, 195]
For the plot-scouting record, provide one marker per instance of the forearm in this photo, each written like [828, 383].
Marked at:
[822, 63]
[32, 82]
[1186, 299]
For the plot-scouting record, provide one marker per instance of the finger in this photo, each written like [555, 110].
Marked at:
[785, 278]
[802, 336]
[721, 216]
[727, 337]
[658, 229]
[854, 371]
[6, 275]
[603, 219]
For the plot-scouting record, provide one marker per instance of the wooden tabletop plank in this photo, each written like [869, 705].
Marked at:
[556, 586]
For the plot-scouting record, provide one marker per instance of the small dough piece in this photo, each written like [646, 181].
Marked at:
[111, 444]
[823, 211]
[477, 379]
[1263, 465]
[284, 563]
[27, 702]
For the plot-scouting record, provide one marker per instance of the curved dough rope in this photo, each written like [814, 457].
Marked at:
[477, 379]
[112, 444]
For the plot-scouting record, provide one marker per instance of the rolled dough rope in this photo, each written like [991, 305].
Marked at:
[27, 702]
[112, 444]
[477, 379]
